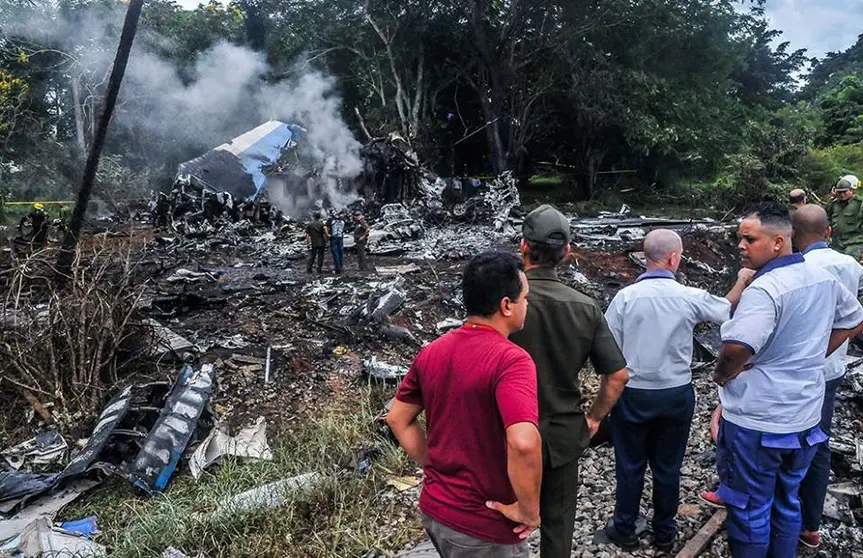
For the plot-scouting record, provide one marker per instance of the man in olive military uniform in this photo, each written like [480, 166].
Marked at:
[845, 211]
[361, 238]
[317, 241]
[563, 330]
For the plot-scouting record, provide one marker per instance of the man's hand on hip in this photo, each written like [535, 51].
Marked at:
[526, 525]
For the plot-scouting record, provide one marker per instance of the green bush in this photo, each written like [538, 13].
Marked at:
[821, 168]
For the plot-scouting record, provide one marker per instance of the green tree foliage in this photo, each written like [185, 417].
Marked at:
[842, 112]
[674, 90]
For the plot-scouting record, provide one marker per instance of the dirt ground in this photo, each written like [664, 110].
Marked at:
[256, 298]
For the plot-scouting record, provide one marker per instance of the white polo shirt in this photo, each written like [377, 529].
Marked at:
[652, 322]
[850, 273]
[785, 317]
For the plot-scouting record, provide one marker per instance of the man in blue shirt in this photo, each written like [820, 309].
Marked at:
[652, 322]
[811, 231]
[771, 372]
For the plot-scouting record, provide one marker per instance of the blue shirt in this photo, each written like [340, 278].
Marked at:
[652, 322]
[785, 318]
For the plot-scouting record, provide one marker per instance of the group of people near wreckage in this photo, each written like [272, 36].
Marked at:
[319, 234]
[505, 423]
[33, 227]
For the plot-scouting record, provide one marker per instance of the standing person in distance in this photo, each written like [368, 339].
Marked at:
[361, 239]
[335, 232]
[316, 238]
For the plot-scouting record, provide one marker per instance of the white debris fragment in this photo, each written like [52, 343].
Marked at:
[250, 443]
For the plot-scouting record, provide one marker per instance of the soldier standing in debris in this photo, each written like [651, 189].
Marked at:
[316, 237]
[652, 322]
[335, 232]
[361, 238]
[845, 212]
[481, 451]
[163, 210]
[564, 329]
[38, 222]
[810, 239]
[771, 376]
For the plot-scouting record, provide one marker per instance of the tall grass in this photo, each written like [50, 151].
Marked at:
[346, 515]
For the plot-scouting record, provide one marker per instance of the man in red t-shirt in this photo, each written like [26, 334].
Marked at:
[481, 450]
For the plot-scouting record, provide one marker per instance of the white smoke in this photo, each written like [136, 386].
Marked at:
[222, 95]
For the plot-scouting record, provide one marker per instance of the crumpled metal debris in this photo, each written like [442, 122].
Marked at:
[250, 442]
[19, 486]
[43, 449]
[46, 506]
[841, 499]
[268, 496]
[383, 371]
[183, 275]
[167, 440]
[390, 301]
[167, 342]
[394, 224]
[397, 269]
[448, 324]
[40, 538]
[86, 527]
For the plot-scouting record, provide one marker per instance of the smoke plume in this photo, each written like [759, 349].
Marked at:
[167, 114]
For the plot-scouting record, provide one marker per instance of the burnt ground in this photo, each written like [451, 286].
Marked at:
[256, 295]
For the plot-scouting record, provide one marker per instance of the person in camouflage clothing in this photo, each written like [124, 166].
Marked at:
[845, 211]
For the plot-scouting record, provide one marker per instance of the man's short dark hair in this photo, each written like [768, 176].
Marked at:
[487, 279]
[799, 198]
[543, 254]
[771, 214]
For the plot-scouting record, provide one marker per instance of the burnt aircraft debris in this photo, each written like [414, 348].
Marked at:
[221, 264]
[240, 167]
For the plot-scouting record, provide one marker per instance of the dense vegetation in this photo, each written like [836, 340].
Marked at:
[685, 95]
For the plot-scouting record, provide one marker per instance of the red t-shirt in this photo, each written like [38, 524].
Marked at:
[473, 384]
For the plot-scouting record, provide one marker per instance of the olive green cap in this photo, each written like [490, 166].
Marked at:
[547, 225]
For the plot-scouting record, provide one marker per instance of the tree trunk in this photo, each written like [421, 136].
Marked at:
[70, 241]
[491, 91]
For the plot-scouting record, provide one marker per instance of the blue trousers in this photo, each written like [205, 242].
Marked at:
[813, 489]
[760, 474]
[650, 427]
[337, 247]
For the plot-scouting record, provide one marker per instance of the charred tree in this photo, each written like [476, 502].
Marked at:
[70, 241]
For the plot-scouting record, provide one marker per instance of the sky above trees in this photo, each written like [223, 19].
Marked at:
[820, 26]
